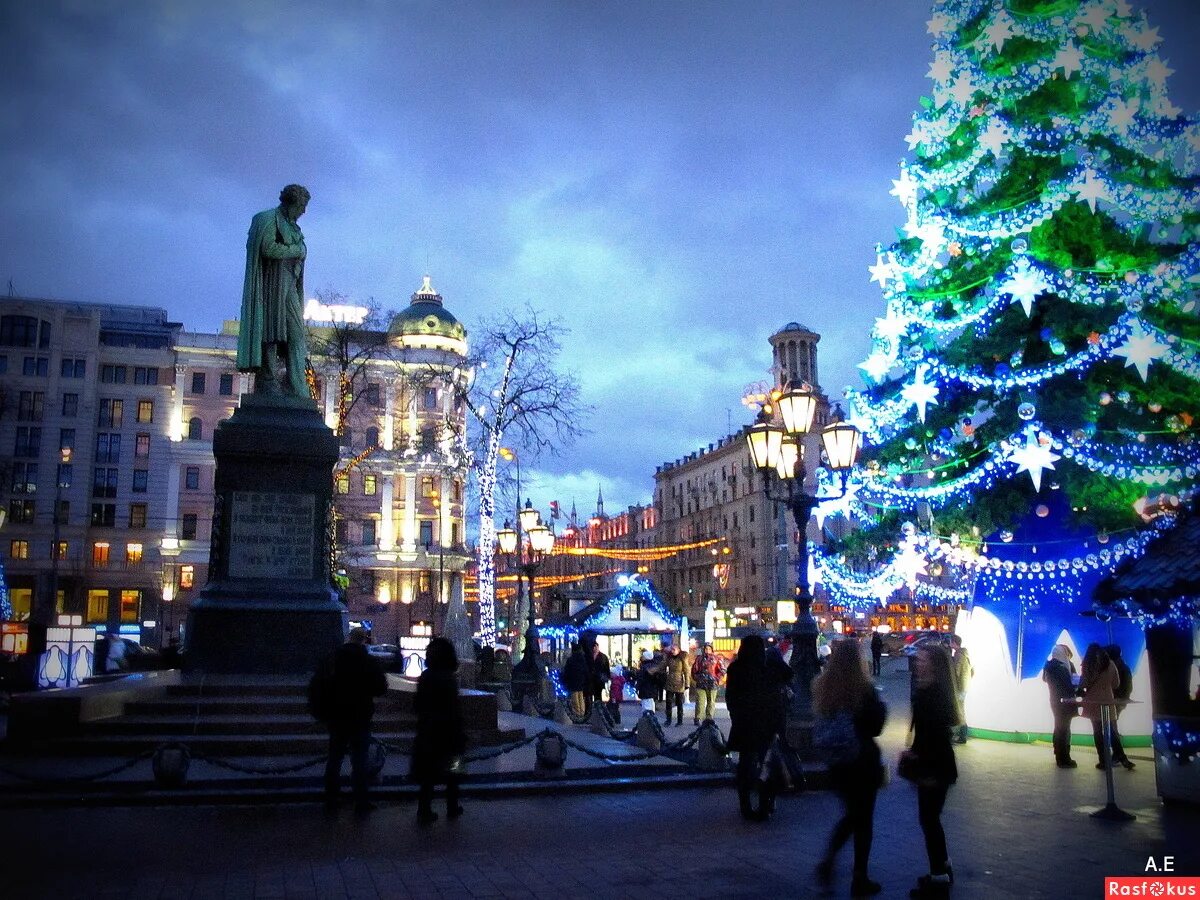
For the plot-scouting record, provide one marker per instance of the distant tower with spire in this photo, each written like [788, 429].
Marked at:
[600, 503]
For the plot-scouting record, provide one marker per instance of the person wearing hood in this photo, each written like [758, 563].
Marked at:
[1057, 674]
[646, 681]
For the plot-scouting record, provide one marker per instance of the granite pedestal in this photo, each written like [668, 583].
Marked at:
[268, 605]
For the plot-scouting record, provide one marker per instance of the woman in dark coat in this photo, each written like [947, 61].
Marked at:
[440, 737]
[935, 713]
[754, 694]
[844, 689]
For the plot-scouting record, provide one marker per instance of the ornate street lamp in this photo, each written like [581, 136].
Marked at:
[526, 552]
[778, 452]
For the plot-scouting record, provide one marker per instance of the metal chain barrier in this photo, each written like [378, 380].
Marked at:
[79, 779]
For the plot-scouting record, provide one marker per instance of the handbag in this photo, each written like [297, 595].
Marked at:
[774, 772]
[908, 766]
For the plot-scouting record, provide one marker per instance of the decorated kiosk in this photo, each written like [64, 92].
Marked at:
[624, 621]
[1160, 593]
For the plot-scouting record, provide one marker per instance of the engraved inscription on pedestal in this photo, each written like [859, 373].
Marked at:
[271, 535]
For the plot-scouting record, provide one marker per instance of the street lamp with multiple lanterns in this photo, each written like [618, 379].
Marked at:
[525, 548]
[777, 450]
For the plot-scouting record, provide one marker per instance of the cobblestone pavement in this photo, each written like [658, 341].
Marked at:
[1017, 827]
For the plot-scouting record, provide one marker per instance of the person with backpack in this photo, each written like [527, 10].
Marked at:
[707, 672]
[1123, 692]
[849, 716]
[342, 695]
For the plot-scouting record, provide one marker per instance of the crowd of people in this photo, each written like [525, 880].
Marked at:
[849, 715]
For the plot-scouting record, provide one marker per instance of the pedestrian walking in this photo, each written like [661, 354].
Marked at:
[646, 682]
[1057, 673]
[1124, 692]
[575, 680]
[440, 739]
[876, 654]
[676, 682]
[1098, 682]
[707, 672]
[599, 675]
[754, 694]
[845, 698]
[355, 679]
[933, 768]
[961, 668]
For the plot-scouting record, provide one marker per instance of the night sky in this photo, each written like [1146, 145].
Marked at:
[676, 180]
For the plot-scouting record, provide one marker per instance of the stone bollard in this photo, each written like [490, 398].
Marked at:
[596, 723]
[170, 765]
[561, 716]
[646, 736]
[550, 756]
[503, 701]
[711, 755]
[529, 708]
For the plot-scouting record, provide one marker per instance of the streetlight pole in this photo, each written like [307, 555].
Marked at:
[527, 556]
[778, 452]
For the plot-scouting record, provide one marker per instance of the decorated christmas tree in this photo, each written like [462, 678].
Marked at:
[1034, 382]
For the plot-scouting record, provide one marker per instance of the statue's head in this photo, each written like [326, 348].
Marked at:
[294, 200]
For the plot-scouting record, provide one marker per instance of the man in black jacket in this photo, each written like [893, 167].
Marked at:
[357, 678]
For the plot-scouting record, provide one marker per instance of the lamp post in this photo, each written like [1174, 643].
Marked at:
[777, 450]
[525, 548]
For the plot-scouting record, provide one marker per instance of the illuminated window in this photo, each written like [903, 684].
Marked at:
[130, 605]
[369, 487]
[145, 412]
[18, 550]
[343, 484]
[97, 606]
[62, 549]
[133, 554]
[424, 583]
[100, 553]
[112, 412]
[187, 577]
[427, 488]
[631, 611]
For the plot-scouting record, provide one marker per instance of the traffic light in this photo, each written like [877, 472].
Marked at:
[554, 512]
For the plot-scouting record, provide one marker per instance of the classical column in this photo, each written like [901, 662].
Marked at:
[387, 523]
[177, 405]
[409, 532]
[389, 419]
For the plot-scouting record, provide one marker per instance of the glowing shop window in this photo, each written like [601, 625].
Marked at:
[130, 600]
[97, 606]
[187, 577]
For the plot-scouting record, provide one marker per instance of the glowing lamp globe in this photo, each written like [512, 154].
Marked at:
[764, 440]
[506, 538]
[841, 441]
[540, 538]
[797, 407]
[789, 454]
[528, 516]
